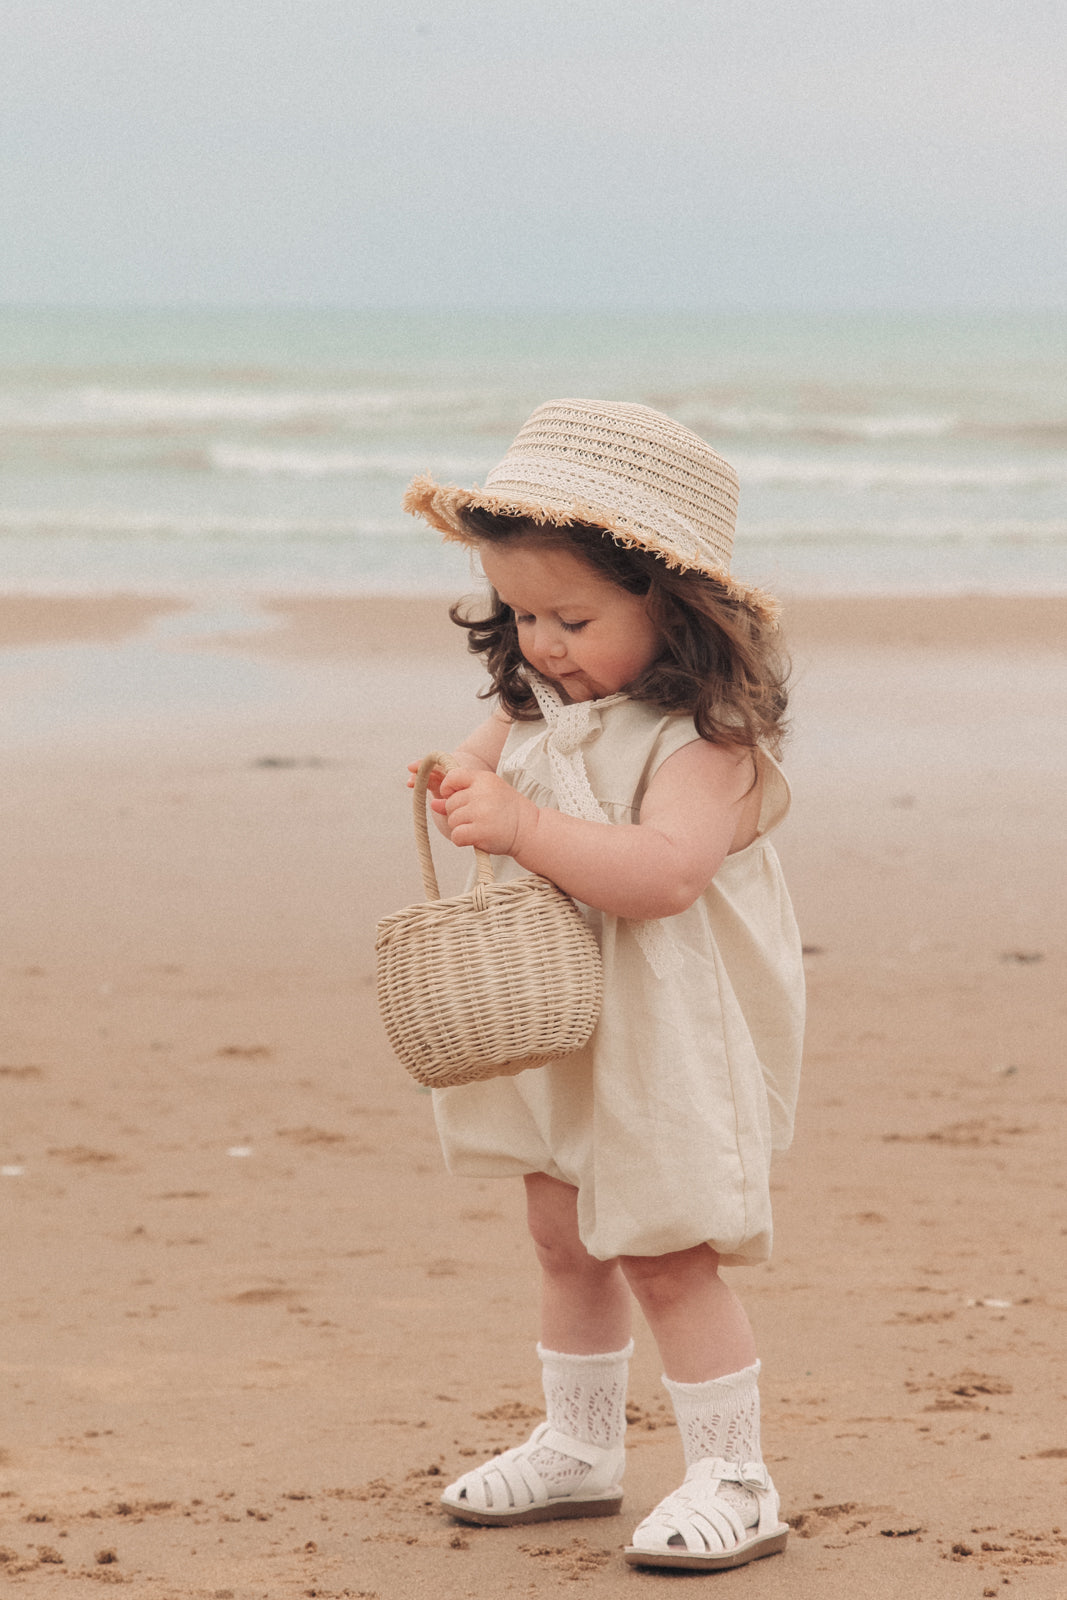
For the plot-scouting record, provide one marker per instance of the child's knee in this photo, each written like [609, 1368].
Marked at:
[552, 1218]
[663, 1280]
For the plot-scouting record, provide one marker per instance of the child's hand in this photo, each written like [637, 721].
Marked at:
[433, 783]
[482, 810]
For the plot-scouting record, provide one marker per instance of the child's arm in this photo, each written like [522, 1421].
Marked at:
[485, 745]
[690, 816]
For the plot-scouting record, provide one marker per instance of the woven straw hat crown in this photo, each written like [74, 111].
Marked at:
[644, 478]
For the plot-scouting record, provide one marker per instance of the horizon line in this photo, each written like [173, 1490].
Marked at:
[985, 308]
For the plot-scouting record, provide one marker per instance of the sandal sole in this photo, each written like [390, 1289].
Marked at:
[752, 1550]
[554, 1510]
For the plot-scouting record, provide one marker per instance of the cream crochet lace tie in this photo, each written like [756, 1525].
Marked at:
[569, 726]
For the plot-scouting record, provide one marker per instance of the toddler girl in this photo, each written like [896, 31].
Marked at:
[640, 698]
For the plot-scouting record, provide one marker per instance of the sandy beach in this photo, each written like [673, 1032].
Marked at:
[250, 1327]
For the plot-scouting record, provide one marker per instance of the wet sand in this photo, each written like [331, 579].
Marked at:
[250, 1326]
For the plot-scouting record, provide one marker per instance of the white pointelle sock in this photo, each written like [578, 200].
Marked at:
[585, 1398]
[721, 1418]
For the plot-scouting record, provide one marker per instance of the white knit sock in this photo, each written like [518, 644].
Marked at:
[721, 1418]
[585, 1398]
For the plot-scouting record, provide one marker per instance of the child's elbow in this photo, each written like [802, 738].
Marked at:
[670, 897]
[679, 897]
[669, 882]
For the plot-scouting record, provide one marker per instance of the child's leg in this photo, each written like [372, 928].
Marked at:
[585, 1304]
[708, 1353]
[711, 1373]
[697, 1321]
[585, 1331]
[572, 1465]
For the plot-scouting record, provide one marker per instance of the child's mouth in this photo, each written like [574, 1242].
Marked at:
[573, 686]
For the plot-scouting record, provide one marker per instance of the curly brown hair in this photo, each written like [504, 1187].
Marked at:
[720, 663]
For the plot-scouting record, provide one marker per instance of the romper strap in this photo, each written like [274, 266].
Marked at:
[777, 795]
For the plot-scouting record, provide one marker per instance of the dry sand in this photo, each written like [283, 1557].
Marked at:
[250, 1327]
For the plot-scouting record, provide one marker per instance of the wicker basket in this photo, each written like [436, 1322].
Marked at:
[484, 984]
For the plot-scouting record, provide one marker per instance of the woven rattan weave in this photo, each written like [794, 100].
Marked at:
[488, 983]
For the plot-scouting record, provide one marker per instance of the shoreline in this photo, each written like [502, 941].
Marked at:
[324, 625]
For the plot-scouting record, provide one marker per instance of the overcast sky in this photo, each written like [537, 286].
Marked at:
[542, 153]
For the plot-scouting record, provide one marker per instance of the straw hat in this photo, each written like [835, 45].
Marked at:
[644, 478]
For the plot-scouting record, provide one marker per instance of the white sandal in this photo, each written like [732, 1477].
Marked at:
[693, 1528]
[507, 1489]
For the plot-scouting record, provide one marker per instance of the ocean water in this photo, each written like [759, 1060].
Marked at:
[215, 453]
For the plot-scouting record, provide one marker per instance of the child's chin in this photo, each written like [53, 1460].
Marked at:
[573, 690]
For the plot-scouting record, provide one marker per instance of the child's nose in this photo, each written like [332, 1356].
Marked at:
[548, 643]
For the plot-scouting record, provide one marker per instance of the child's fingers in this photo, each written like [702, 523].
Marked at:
[433, 782]
[454, 780]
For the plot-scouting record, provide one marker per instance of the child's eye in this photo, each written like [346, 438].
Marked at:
[573, 627]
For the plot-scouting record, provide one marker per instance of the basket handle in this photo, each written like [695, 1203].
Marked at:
[437, 758]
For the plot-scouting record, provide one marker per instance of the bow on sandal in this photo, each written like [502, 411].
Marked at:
[508, 1489]
[694, 1528]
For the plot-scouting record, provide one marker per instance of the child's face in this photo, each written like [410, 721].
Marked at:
[575, 626]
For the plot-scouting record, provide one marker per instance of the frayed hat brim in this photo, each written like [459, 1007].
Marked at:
[442, 506]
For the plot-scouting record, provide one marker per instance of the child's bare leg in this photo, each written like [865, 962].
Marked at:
[697, 1321]
[572, 1464]
[585, 1336]
[727, 1509]
[585, 1304]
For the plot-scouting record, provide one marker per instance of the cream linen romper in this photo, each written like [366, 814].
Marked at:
[665, 1121]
